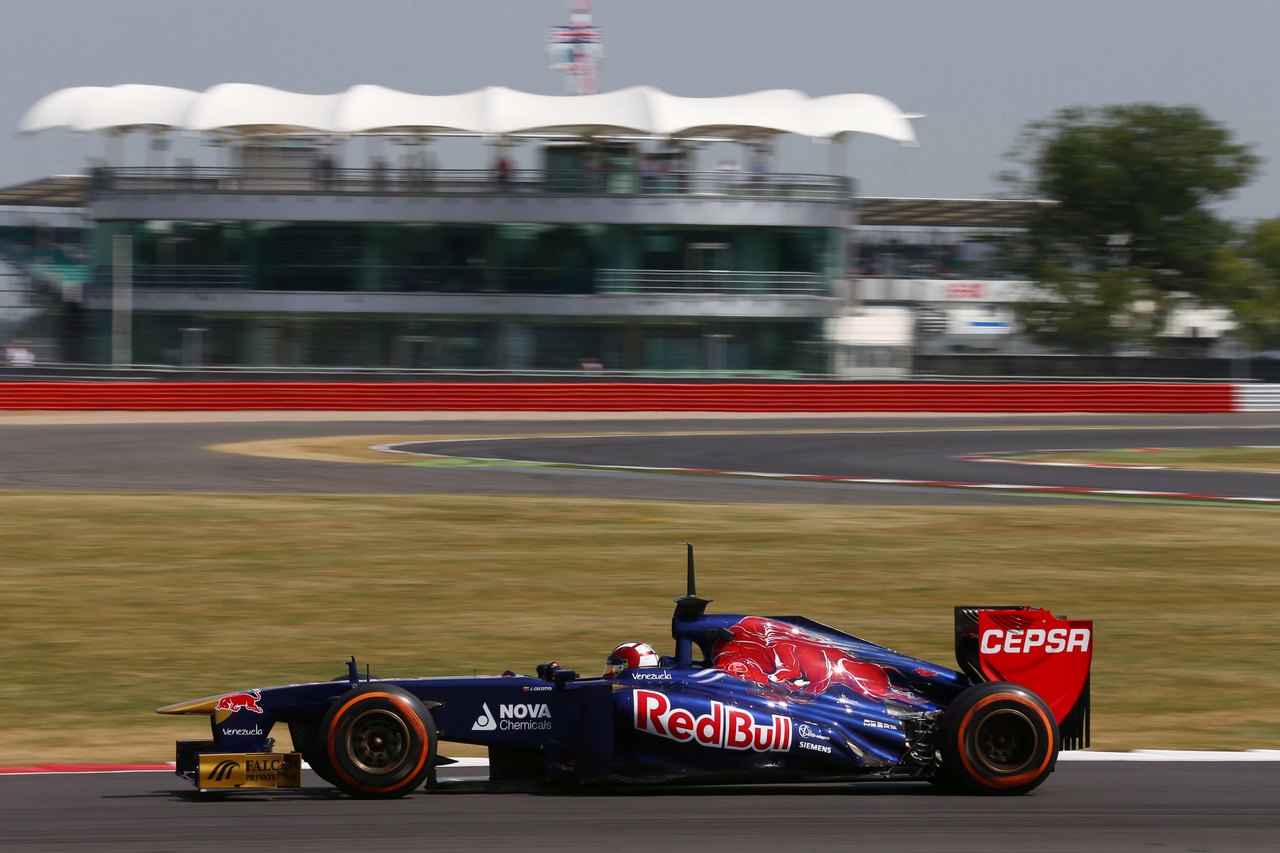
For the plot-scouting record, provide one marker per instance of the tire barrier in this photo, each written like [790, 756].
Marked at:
[629, 397]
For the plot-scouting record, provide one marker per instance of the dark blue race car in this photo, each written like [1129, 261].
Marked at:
[743, 699]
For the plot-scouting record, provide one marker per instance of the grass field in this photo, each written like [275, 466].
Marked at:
[112, 605]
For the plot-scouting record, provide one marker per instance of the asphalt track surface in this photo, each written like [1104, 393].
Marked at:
[1084, 805]
[170, 457]
[1104, 806]
[927, 455]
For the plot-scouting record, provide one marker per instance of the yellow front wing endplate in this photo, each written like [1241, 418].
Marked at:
[221, 770]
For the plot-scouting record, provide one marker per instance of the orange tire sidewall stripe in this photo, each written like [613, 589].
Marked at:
[414, 720]
[1004, 781]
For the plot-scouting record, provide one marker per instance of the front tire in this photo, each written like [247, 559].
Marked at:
[306, 739]
[379, 741]
[999, 738]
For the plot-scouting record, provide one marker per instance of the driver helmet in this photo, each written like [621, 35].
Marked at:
[629, 656]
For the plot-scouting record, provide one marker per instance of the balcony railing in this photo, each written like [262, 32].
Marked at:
[709, 282]
[182, 276]
[551, 281]
[433, 182]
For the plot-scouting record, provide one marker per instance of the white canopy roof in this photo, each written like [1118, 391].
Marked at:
[493, 111]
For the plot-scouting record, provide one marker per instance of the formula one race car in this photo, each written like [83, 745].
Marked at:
[743, 699]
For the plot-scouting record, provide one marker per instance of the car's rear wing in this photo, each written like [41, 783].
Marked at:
[1032, 647]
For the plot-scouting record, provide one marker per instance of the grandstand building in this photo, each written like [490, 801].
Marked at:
[605, 232]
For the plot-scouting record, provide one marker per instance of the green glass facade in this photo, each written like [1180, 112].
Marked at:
[358, 341]
[663, 267]
[456, 257]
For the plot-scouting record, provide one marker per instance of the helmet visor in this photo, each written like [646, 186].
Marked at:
[614, 665]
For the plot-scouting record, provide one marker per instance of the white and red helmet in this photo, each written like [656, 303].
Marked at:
[629, 656]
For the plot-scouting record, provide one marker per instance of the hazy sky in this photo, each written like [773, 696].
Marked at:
[979, 69]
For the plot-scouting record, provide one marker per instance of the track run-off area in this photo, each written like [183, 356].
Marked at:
[1223, 802]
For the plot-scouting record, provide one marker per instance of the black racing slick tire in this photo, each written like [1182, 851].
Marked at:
[306, 739]
[998, 738]
[379, 741]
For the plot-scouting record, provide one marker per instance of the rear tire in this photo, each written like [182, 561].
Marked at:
[379, 741]
[999, 738]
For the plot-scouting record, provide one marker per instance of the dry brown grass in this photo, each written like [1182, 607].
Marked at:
[114, 605]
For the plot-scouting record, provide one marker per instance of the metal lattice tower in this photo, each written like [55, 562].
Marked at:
[575, 50]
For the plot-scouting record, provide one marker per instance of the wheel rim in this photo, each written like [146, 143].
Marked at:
[378, 742]
[1006, 741]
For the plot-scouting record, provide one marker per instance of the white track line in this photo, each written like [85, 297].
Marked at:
[1173, 755]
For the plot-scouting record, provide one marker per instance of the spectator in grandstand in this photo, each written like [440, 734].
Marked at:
[757, 165]
[651, 170]
[728, 175]
[326, 168]
[592, 171]
[502, 171]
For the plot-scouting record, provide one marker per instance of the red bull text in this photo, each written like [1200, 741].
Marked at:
[722, 728]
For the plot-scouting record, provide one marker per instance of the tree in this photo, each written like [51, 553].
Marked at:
[1097, 313]
[1248, 279]
[1132, 223]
